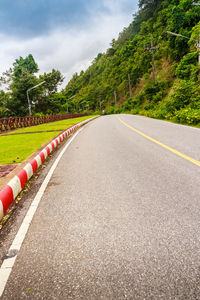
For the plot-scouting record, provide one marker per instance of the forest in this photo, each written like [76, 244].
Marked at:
[152, 69]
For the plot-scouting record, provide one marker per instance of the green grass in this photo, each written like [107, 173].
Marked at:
[16, 148]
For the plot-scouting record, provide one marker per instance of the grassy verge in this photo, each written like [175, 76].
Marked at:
[16, 148]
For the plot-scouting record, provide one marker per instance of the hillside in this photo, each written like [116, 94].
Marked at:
[122, 79]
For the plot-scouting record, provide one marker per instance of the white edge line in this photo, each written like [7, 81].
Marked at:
[8, 264]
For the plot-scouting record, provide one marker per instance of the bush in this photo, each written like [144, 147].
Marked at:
[94, 113]
[181, 96]
[135, 111]
[187, 116]
[109, 110]
[187, 66]
[160, 112]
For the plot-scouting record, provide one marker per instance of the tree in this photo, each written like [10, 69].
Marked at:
[4, 104]
[22, 77]
[52, 81]
[49, 101]
[27, 64]
[19, 79]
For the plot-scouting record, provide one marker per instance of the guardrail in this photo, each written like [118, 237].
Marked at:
[12, 123]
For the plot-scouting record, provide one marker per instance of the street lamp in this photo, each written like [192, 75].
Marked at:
[186, 37]
[29, 103]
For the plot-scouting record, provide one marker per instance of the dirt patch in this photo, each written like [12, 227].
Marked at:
[6, 169]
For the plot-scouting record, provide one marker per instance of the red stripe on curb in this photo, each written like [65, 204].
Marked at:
[53, 146]
[48, 150]
[23, 177]
[41, 154]
[34, 165]
[6, 197]
[60, 138]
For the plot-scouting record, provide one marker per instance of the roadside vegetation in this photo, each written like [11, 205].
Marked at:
[122, 79]
[18, 145]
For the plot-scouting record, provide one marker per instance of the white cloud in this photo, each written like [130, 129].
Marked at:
[67, 50]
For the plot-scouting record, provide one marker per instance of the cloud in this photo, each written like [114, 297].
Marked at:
[30, 18]
[69, 48]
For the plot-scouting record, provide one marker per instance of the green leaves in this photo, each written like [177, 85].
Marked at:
[24, 66]
[187, 65]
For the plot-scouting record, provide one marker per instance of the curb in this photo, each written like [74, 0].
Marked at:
[17, 183]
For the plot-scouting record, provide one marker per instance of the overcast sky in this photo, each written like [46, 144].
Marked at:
[62, 34]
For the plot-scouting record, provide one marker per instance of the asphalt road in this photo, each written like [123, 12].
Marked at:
[120, 218]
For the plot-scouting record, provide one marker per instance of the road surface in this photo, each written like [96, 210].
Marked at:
[119, 219]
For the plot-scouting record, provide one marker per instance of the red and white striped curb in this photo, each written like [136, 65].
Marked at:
[17, 183]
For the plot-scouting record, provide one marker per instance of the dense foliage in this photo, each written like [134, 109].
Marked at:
[122, 79]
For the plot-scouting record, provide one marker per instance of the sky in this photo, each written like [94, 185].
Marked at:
[62, 34]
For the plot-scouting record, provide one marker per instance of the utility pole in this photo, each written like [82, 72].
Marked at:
[129, 86]
[100, 104]
[115, 95]
[77, 107]
[152, 49]
[198, 43]
[67, 103]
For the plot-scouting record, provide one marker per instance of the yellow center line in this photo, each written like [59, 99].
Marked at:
[192, 160]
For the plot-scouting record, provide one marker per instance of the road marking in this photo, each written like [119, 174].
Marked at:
[190, 159]
[8, 264]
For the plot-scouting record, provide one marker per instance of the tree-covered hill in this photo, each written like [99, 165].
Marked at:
[122, 79]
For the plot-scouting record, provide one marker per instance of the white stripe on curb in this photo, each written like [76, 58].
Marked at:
[8, 264]
[45, 153]
[50, 147]
[38, 159]
[1, 210]
[15, 185]
[29, 170]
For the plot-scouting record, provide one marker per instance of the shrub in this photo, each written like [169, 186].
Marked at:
[187, 66]
[187, 116]
[109, 110]
[181, 96]
[135, 111]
